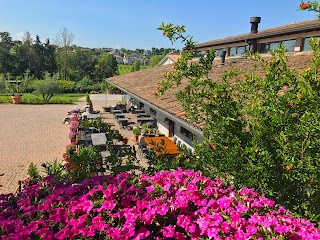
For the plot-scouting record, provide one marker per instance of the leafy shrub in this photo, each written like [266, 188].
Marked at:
[262, 130]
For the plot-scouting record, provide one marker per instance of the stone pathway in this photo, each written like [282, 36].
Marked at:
[29, 133]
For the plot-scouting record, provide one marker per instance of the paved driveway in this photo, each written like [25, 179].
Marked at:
[29, 133]
[35, 133]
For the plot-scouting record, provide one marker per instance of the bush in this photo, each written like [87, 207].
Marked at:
[48, 87]
[254, 131]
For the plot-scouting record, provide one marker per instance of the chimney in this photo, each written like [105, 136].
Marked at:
[254, 24]
[222, 55]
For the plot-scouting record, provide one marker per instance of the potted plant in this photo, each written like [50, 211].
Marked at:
[145, 128]
[117, 91]
[14, 88]
[136, 132]
[89, 103]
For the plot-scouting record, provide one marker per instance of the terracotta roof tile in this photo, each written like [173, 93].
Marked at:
[143, 83]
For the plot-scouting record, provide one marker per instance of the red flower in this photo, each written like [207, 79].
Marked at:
[125, 140]
[318, 70]
[288, 168]
[212, 145]
[304, 5]
[158, 87]
[164, 33]
[68, 166]
[154, 93]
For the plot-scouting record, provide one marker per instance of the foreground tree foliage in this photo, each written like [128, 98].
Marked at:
[255, 132]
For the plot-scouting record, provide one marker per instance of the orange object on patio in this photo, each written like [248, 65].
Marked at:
[162, 145]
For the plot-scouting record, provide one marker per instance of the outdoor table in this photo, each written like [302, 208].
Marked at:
[91, 116]
[143, 115]
[139, 111]
[119, 115]
[123, 119]
[98, 139]
[116, 111]
[144, 119]
[169, 148]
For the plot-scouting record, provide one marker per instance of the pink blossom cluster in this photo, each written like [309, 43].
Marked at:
[74, 123]
[169, 205]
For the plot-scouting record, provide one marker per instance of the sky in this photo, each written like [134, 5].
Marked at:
[133, 24]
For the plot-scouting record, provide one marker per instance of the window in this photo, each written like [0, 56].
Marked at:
[306, 43]
[238, 51]
[142, 105]
[153, 112]
[201, 54]
[288, 44]
[217, 51]
[241, 50]
[187, 133]
[233, 51]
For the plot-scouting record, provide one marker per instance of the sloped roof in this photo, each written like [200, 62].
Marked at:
[143, 83]
[281, 30]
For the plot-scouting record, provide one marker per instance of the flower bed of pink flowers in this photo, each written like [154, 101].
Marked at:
[177, 205]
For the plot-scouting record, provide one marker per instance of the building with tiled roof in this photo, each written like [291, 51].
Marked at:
[294, 36]
[169, 59]
[168, 111]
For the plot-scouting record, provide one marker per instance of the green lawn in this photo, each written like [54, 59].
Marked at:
[124, 69]
[30, 98]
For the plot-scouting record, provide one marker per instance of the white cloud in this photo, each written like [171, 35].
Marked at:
[19, 36]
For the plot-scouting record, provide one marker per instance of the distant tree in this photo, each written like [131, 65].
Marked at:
[48, 87]
[50, 64]
[82, 64]
[135, 66]
[106, 67]
[64, 39]
[154, 60]
[84, 85]
[37, 68]
[123, 51]
[6, 60]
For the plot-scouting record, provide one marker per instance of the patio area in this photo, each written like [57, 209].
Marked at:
[35, 133]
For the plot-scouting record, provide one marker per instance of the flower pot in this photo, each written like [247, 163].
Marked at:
[16, 99]
[135, 138]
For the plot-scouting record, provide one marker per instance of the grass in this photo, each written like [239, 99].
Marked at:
[30, 98]
[124, 69]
